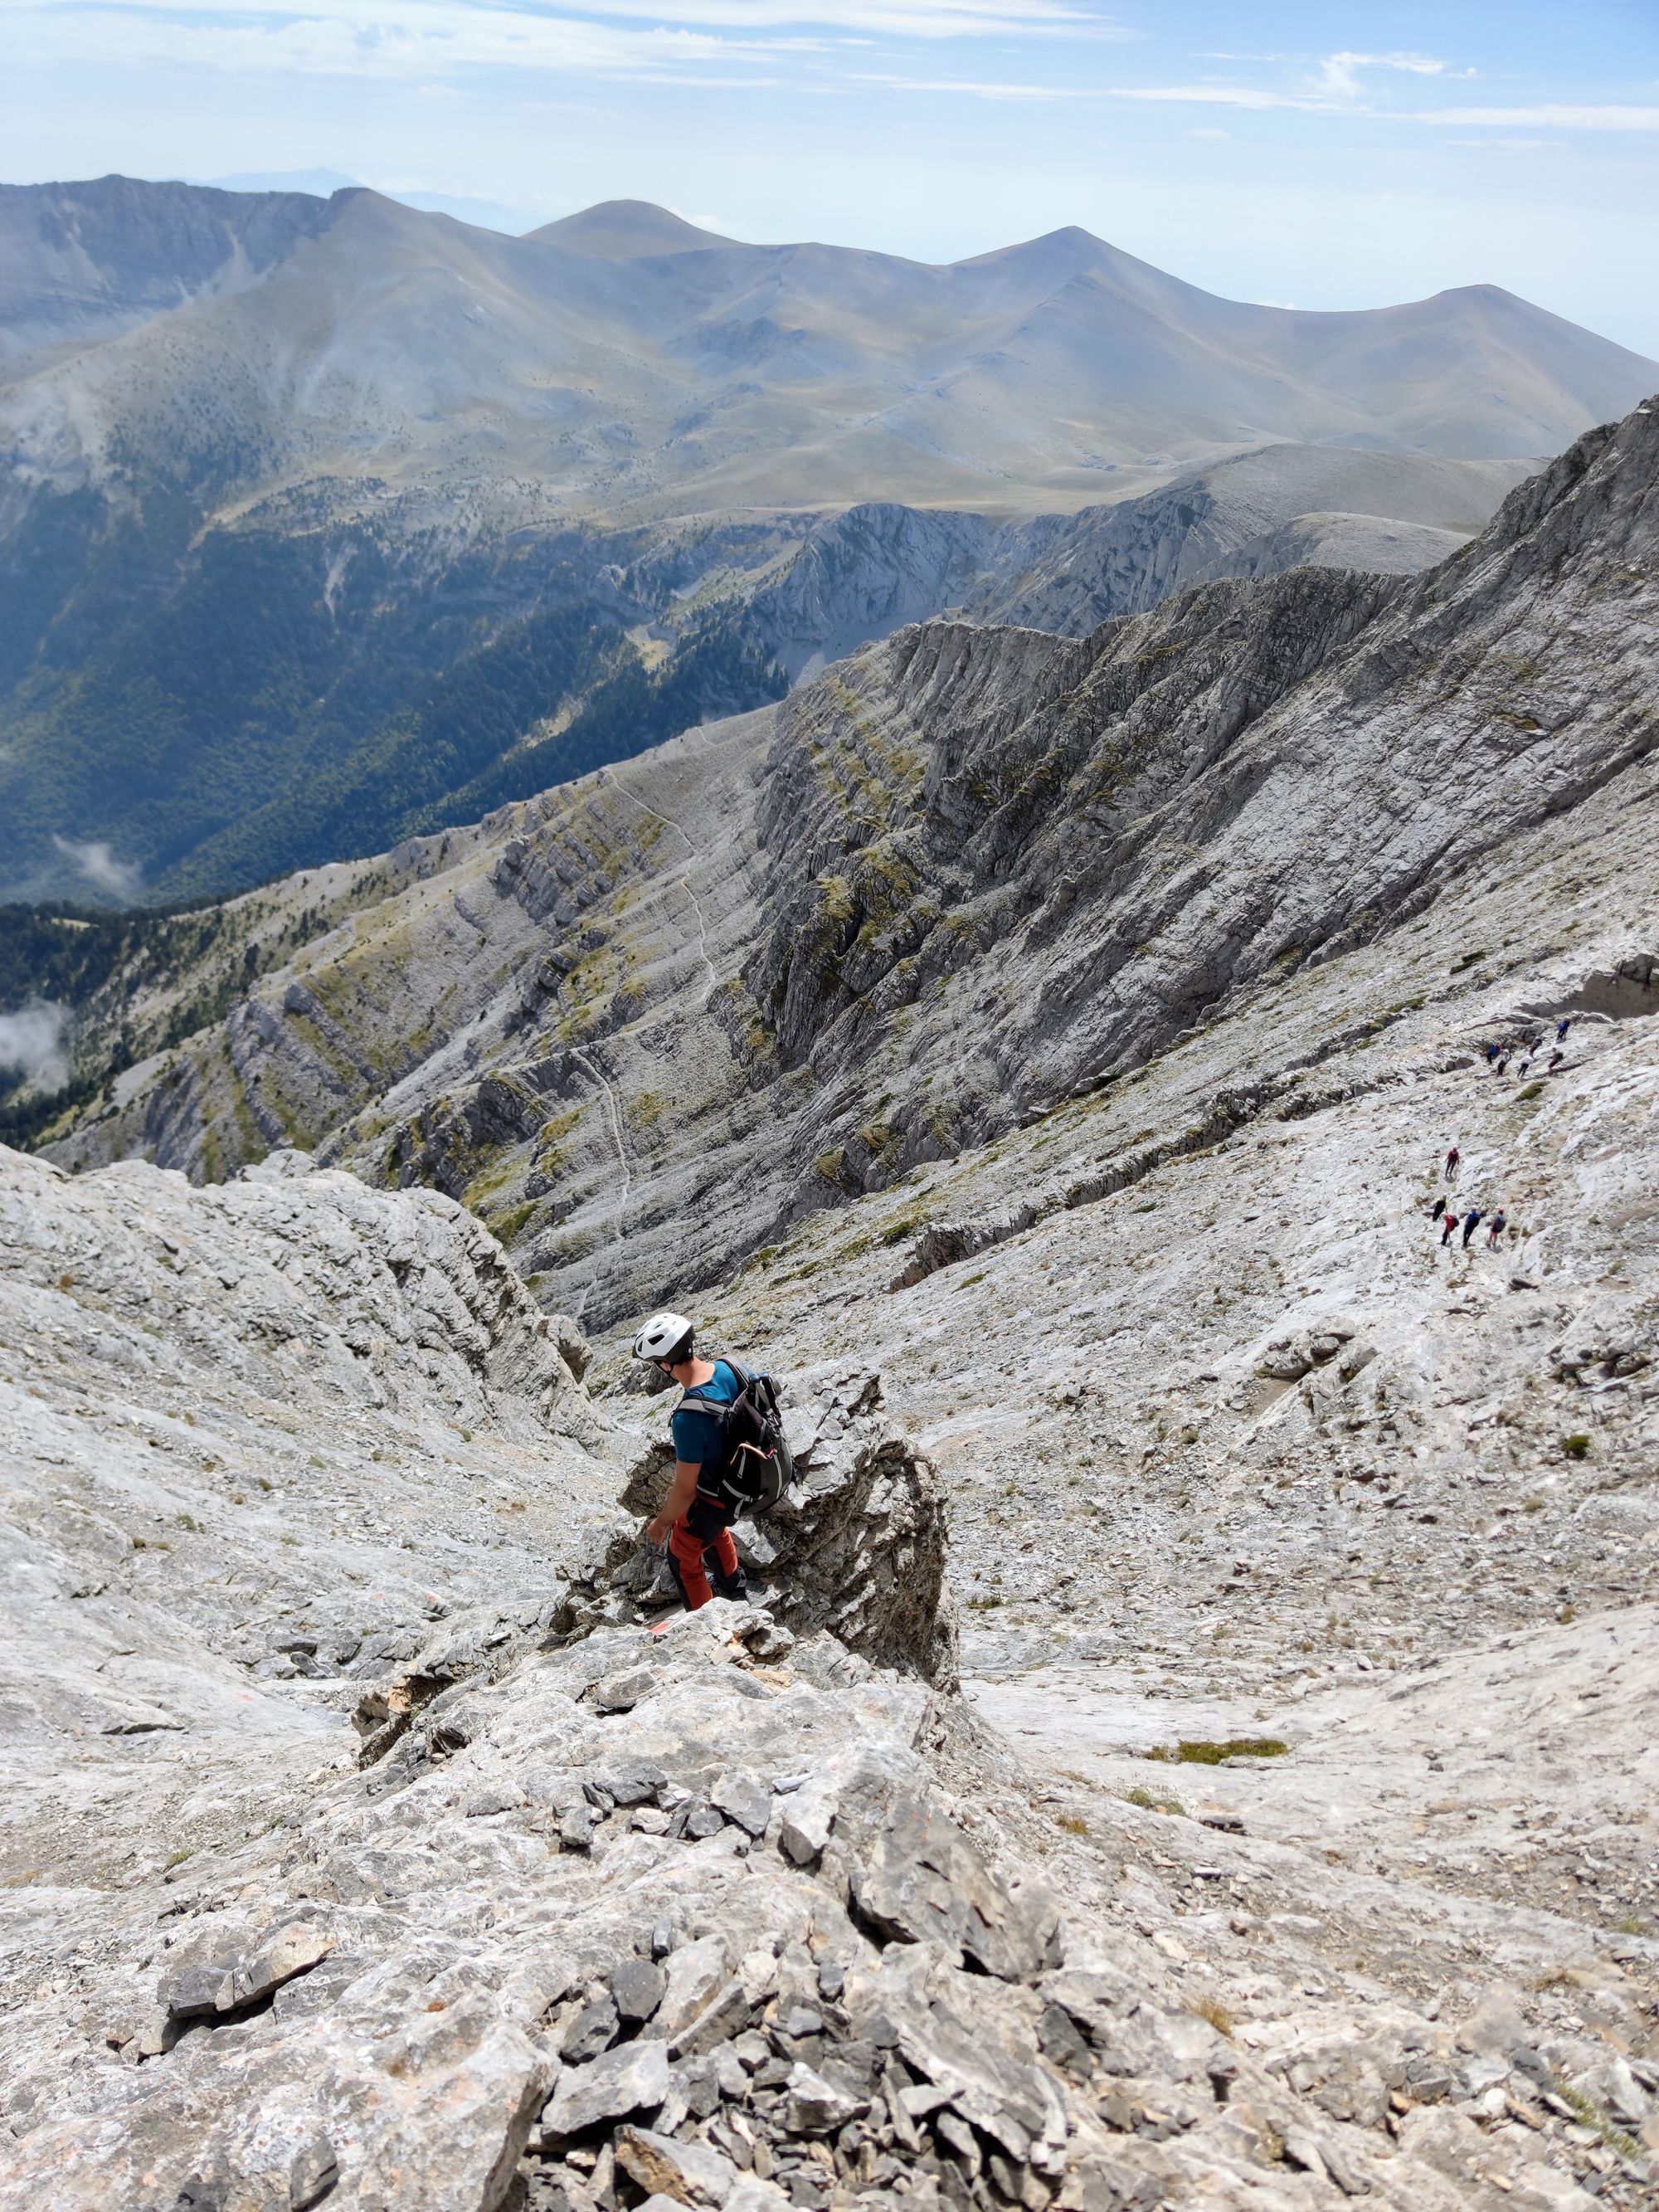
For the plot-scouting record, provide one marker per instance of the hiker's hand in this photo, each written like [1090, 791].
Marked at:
[656, 1532]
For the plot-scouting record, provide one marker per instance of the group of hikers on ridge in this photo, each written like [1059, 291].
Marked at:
[1500, 1051]
[1451, 1221]
[1469, 1219]
[730, 1459]
[1447, 1214]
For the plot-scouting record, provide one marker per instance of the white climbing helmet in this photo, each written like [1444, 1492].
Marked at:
[662, 1336]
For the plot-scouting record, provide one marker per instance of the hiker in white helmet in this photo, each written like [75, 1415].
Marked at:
[693, 1524]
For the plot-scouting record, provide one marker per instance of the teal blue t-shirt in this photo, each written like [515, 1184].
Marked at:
[696, 1439]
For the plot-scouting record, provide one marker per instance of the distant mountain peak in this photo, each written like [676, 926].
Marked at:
[628, 230]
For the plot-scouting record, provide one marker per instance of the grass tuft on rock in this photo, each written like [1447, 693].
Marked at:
[1198, 1752]
[1213, 2010]
[1149, 1804]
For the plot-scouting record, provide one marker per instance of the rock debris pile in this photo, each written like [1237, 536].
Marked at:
[649, 1915]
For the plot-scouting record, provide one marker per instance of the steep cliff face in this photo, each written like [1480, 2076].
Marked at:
[863, 573]
[1253, 515]
[952, 881]
[1026, 777]
[1120, 833]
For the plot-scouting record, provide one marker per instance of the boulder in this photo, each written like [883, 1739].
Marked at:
[229, 1974]
[689, 2173]
[632, 2077]
[636, 1989]
[924, 1882]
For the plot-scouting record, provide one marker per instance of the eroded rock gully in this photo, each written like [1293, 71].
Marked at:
[723, 1911]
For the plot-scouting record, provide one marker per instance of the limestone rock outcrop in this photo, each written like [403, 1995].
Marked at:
[855, 1546]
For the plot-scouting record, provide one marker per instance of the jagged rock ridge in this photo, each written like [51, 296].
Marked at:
[942, 887]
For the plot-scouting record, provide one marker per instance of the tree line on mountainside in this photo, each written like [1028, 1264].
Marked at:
[263, 701]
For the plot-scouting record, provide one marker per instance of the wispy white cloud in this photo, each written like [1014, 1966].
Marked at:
[98, 864]
[428, 40]
[911, 19]
[1549, 116]
[1335, 84]
[1338, 74]
[435, 37]
[32, 1044]
[974, 89]
[1510, 145]
[1222, 95]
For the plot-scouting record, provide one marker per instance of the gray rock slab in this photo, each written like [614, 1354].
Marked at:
[631, 2078]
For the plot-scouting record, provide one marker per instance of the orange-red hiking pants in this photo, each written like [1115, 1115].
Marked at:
[704, 1527]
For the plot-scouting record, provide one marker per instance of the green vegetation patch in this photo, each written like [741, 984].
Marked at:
[1196, 1751]
[1149, 1804]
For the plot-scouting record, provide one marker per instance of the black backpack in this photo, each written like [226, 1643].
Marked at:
[754, 1465]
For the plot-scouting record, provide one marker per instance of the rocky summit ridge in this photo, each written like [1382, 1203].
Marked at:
[1193, 1739]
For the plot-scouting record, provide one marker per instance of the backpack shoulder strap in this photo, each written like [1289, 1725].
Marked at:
[692, 1401]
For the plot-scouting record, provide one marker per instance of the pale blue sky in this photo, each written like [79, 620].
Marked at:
[1318, 155]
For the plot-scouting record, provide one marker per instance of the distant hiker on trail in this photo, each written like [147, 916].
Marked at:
[1562, 1027]
[1491, 1054]
[1495, 1229]
[1452, 1158]
[730, 1459]
[1471, 1223]
[1451, 1225]
[1525, 1066]
[1554, 1060]
[1503, 1063]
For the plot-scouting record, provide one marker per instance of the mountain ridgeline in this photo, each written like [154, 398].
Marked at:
[328, 522]
[790, 961]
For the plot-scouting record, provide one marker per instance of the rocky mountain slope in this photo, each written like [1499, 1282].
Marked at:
[489, 1893]
[1256, 514]
[365, 696]
[1195, 1746]
[958, 878]
[329, 522]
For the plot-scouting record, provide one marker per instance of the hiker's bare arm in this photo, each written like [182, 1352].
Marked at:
[680, 1492]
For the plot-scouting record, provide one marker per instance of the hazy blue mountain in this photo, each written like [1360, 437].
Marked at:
[325, 519]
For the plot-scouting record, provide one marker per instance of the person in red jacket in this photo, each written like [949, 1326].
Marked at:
[1452, 1158]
